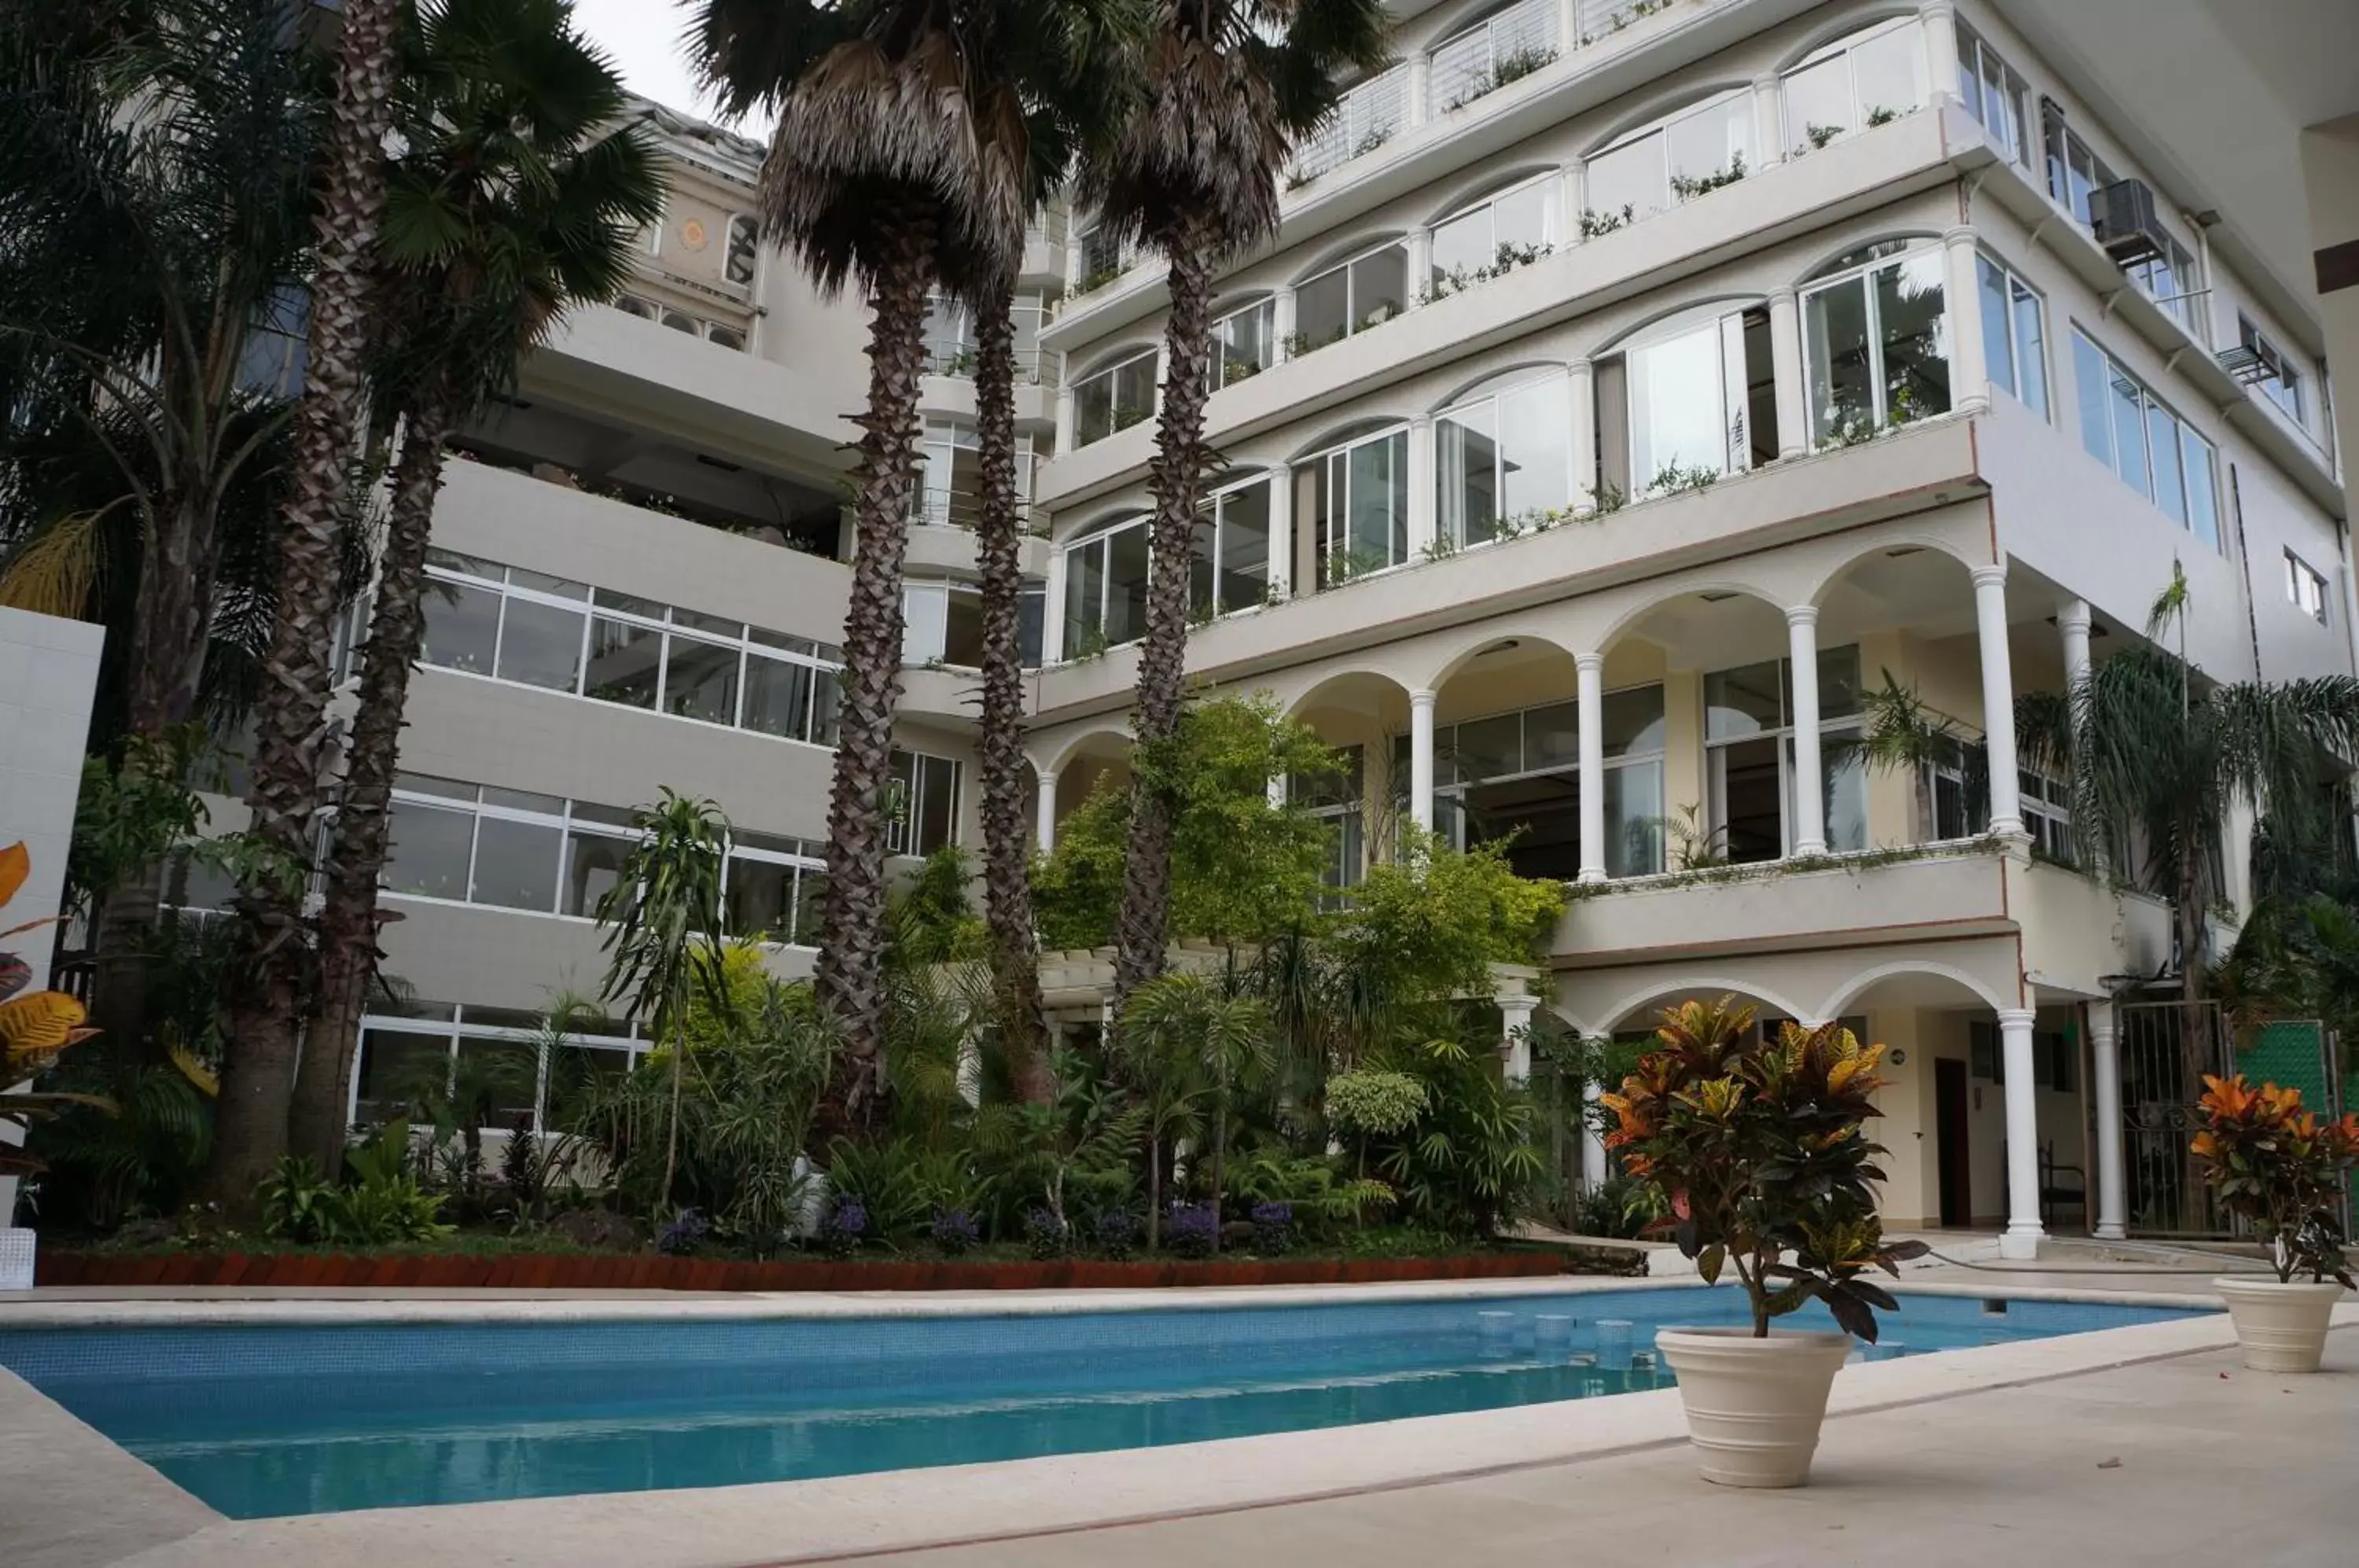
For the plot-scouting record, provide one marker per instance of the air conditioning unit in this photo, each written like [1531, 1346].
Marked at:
[2122, 215]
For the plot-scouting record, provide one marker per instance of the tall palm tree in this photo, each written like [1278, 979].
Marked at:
[1226, 87]
[517, 196]
[901, 157]
[291, 731]
[662, 919]
[155, 218]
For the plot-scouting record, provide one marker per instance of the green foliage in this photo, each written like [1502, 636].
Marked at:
[381, 1205]
[932, 920]
[2283, 1171]
[1036, 1149]
[1241, 869]
[1469, 1163]
[1432, 922]
[1373, 1101]
[1758, 1148]
[1622, 1206]
[903, 1185]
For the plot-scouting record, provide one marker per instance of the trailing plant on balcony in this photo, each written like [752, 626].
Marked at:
[1694, 845]
[1506, 259]
[1818, 136]
[1233, 370]
[1675, 479]
[1594, 223]
[1608, 498]
[1376, 137]
[1759, 1147]
[1125, 415]
[1521, 63]
[1687, 186]
[1098, 277]
[958, 363]
[1352, 565]
[2278, 1167]
[1882, 116]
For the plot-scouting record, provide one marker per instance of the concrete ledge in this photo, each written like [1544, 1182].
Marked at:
[798, 1521]
[70, 1498]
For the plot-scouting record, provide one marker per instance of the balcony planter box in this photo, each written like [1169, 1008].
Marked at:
[2282, 1327]
[1753, 1405]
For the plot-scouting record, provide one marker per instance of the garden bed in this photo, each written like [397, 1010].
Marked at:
[606, 1272]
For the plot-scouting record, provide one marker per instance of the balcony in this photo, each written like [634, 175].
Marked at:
[1915, 152]
[1926, 465]
[1608, 59]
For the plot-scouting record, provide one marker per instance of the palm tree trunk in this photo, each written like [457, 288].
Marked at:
[1155, 1192]
[850, 972]
[671, 1134]
[1174, 478]
[349, 922]
[1006, 829]
[266, 1018]
[1220, 1152]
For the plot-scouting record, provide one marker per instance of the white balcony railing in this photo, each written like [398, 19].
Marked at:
[1504, 48]
[1370, 115]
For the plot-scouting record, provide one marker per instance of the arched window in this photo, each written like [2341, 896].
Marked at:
[1876, 342]
[1244, 342]
[1114, 398]
[1861, 81]
[1677, 158]
[1502, 231]
[1105, 587]
[1350, 296]
[1507, 46]
[1503, 462]
[1231, 569]
[1354, 498]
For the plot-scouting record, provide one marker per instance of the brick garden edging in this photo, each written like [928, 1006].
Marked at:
[617, 1271]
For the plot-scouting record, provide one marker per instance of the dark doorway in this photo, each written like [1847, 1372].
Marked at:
[1949, 1123]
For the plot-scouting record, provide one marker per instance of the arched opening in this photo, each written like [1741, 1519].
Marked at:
[1359, 714]
[1097, 763]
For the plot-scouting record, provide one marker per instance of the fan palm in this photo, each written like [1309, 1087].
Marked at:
[1226, 1033]
[902, 158]
[1226, 87]
[155, 209]
[515, 197]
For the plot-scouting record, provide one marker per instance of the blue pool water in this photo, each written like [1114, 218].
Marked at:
[262, 1421]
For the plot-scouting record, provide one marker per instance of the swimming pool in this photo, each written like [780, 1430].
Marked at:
[272, 1421]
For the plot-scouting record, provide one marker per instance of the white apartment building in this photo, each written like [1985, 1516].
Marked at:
[1630, 388]
[640, 577]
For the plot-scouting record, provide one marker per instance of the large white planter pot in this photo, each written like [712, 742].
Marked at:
[1753, 1405]
[2282, 1327]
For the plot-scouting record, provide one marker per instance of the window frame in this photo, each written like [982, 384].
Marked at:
[1100, 539]
[2304, 584]
[2018, 293]
[1715, 805]
[1152, 356]
[1590, 217]
[1352, 323]
[1861, 275]
[1800, 142]
[1491, 394]
[1266, 307]
[1973, 47]
[1212, 508]
[1551, 182]
[1325, 551]
[2116, 375]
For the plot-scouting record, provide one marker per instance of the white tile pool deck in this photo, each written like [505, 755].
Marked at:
[1967, 1456]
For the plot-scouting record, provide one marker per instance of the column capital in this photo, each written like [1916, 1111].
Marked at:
[1589, 661]
[1580, 366]
[1422, 697]
[1801, 615]
[1937, 7]
[1766, 80]
[2072, 616]
[1421, 422]
[1959, 233]
[1990, 575]
[1785, 294]
[2017, 1017]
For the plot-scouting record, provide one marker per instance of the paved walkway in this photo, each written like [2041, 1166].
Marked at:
[2186, 1460]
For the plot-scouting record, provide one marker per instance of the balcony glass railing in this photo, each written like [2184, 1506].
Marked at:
[1504, 47]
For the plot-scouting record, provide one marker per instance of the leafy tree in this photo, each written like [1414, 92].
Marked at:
[1188, 1017]
[515, 198]
[1083, 1127]
[663, 921]
[907, 133]
[289, 765]
[1225, 87]
[1427, 926]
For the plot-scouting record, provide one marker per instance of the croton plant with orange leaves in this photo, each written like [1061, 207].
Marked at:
[1759, 1146]
[33, 1029]
[2283, 1169]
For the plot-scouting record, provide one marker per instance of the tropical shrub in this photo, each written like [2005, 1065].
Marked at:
[1759, 1149]
[1046, 1235]
[1115, 1232]
[954, 1230]
[1372, 1103]
[1191, 1229]
[1273, 1227]
[381, 1205]
[845, 1228]
[2282, 1170]
[684, 1235]
[1470, 1161]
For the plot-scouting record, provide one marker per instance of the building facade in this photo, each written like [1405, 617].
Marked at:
[1634, 391]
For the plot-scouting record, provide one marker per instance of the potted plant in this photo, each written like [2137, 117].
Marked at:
[1757, 1148]
[2281, 1169]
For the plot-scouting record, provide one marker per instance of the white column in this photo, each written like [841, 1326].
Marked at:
[2105, 1067]
[1941, 47]
[1768, 120]
[1810, 787]
[1281, 323]
[1576, 200]
[1053, 610]
[1420, 263]
[2073, 621]
[1580, 386]
[1998, 701]
[1593, 1146]
[1420, 77]
[1420, 759]
[1282, 532]
[1515, 1037]
[1276, 791]
[1044, 829]
[1785, 372]
[2023, 1229]
[1420, 486]
[1073, 257]
[1591, 681]
[1568, 27]
[1969, 372]
[1064, 404]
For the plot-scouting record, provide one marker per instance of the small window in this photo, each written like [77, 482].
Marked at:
[1245, 343]
[1993, 93]
[1876, 346]
[2306, 587]
[2278, 381]
[2124, 426]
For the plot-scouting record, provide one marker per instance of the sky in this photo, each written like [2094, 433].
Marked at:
[642, 38]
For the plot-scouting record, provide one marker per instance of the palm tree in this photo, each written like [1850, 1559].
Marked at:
[662, 919]
[2150, 747]
[1166, 1078]
[291, 729]
[901, 158]
[1226, 87]
[155, 205]
[1226, 1033]
[515, 197]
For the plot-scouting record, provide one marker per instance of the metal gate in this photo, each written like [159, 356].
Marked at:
[2166, 1049]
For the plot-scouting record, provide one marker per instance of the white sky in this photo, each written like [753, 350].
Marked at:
[642, 38]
